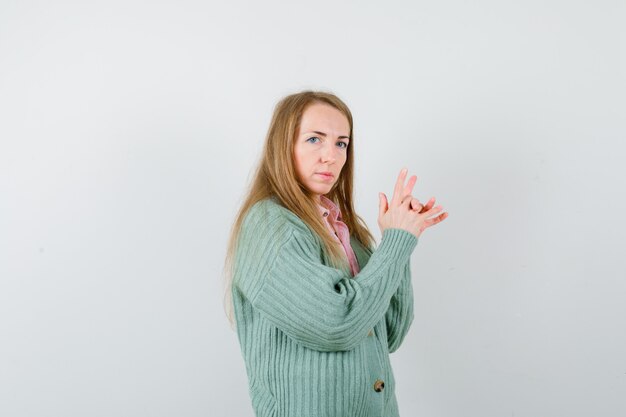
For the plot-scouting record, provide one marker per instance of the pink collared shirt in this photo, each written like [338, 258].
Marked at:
[338, 229]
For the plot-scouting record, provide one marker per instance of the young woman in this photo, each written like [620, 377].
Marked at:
[317, 308]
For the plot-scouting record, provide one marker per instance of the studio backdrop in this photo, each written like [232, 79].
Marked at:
[129, 131]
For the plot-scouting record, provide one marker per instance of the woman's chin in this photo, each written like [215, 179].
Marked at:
[323, 191]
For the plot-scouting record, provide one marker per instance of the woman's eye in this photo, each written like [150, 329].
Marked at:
[345, 145]
[314, 137]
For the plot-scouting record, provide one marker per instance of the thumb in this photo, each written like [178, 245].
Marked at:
[382, 204]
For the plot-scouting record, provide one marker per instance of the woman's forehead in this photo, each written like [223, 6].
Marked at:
[324, 118]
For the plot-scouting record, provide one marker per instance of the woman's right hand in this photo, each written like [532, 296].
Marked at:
[398, 213]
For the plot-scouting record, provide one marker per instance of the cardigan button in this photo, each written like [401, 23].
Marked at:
[379, 385]
[371, 333]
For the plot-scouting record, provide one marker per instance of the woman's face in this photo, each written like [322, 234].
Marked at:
[321, 147]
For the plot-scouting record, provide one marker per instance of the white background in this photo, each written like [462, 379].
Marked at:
[129, 131]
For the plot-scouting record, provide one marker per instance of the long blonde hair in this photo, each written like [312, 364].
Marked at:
[275, 176]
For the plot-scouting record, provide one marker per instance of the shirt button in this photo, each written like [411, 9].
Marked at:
[379, 385]
[371, 333]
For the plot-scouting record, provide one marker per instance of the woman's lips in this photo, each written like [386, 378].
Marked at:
[326, 175]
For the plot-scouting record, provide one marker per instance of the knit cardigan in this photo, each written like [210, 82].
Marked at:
[315, 340]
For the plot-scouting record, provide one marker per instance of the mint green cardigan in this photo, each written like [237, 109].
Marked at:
[315, 340]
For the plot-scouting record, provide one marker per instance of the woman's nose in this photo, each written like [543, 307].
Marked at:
[328, 154]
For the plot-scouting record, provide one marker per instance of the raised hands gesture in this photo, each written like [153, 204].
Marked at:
[405, 211]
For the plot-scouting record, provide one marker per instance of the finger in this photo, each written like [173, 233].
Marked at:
[396, 199]
[416, 205]
[430, 204]
[409, 186]
[438, 219]
[432, 211]
[382, 204]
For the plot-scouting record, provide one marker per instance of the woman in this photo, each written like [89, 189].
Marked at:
[317, 309]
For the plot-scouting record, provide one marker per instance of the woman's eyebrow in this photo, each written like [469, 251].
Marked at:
[324, 134]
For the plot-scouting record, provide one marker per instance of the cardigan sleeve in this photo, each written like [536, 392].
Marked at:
[323, 308]
[399, 315]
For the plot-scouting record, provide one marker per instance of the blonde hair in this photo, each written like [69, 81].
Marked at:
[275, 176]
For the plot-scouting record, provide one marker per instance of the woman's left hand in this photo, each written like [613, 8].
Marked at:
[415, 203]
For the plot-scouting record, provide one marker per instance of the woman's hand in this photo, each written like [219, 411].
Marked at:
[405, 211]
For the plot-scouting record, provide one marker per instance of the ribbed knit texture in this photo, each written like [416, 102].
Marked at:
[314, 339]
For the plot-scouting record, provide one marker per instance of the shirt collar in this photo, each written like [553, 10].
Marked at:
[328, 208]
